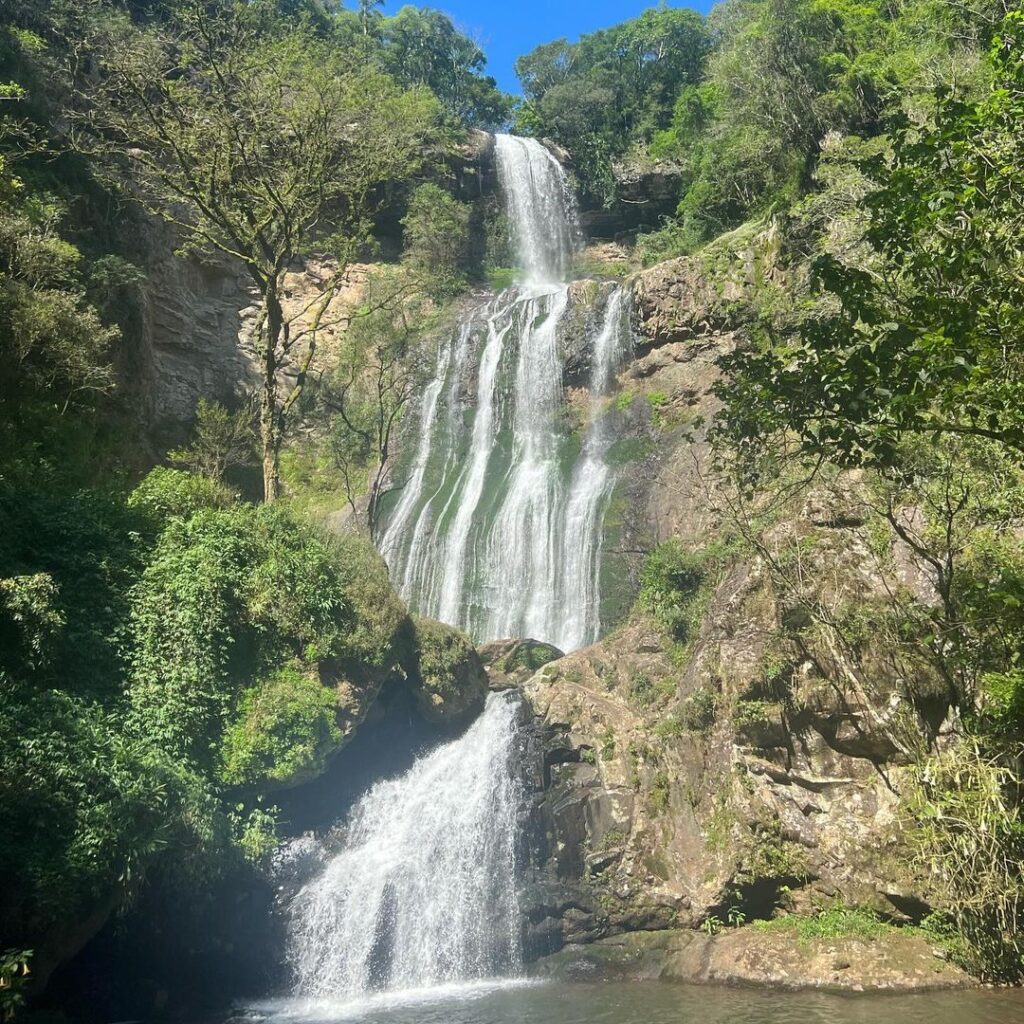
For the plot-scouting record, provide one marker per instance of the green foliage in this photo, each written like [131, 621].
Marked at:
[14, 972]
[641, 689]
[421, 47]
[69, 564]
[661, 792]
[669, 728]
[830, 923]
[699, 710]
[784, 77]
[84, 807]
[610, 89]
[754, 712]
[255, 834]
[193, 93]
[220, 441]
[969, 838]
[165, 494]
[672, 583]
[377, 613]
[55, 345]
[926, 336]
[1002, 702]
[228, 596]
[283, 730]
[436, 230]
[30, 622]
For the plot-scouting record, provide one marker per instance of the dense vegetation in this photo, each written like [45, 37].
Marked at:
[744, 99]
[900, 356]
[611, 89]
[873, 152]
[171, 655]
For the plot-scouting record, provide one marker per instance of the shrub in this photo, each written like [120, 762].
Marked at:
[699, 710]
[969, 839]
[230, 596]
[71, 631]
[165, 494]
[671, 585]
[284, 730]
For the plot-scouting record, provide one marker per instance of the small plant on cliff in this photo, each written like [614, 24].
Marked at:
[699, 710]
[661, 793]
[675, 585]
[969, 838]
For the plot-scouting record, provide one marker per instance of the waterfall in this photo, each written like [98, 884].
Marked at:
[423, 892]
[591, 489]
[499, 522]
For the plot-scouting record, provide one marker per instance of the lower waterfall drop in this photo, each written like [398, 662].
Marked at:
[424, 891]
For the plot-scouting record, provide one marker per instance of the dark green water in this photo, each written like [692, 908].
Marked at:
[649, 1003]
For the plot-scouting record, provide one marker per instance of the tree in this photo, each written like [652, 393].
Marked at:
[925, 336]
[423, 47]
[382, 368]
[368, 12]
[611, 89]
[436, 233]
[260, 144]
[220, 440]
[54, 345]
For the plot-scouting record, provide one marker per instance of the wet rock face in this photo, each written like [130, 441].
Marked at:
[509, 663]
[749, 956]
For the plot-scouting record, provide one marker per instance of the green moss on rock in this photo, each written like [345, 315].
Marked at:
[449, 675]
[284, 730]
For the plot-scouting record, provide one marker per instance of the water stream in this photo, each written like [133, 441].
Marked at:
[423, 890]
[498, 527]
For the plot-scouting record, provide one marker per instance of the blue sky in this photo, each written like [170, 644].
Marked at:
[507, 28]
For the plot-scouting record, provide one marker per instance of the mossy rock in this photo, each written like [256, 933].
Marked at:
[448, 674]
[511, 662]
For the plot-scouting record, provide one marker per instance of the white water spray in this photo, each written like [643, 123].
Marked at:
[424, 891]
[498, 529]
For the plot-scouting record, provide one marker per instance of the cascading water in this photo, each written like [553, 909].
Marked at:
[498, 527]
[424, 891]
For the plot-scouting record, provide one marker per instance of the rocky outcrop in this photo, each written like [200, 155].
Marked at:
[646, 191]
[745, 760]
[709, 293]
[189, 345]
[199, 317]
[774, 957]
[447, 675]
[745, 772]
[510, 663]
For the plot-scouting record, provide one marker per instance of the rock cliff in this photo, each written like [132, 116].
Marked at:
[746, 760]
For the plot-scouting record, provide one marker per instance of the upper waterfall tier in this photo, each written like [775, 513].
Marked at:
[499, 520]
[541, 209]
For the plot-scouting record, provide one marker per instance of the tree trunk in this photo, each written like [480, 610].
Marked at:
[270, 427]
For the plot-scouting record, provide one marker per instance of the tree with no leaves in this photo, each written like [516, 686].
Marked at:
[261, 143]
